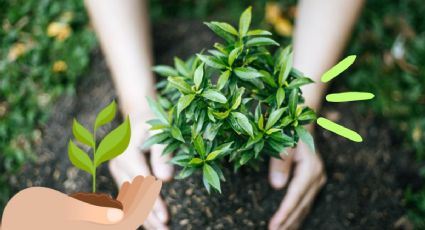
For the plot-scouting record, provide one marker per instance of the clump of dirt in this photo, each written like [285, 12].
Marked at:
[98, 199]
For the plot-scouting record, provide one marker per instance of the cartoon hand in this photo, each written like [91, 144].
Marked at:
[44, 208]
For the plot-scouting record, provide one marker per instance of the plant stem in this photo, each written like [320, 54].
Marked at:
[94, 164]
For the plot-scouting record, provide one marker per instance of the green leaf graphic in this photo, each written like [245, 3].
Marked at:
[338, 68]
[82, 134]
[106, 115]
[79, 158]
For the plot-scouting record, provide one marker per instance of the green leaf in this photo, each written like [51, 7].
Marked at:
[181, 67]
[307, 115]
[222, 80]
[247, 73]
[261, 122]
[234, 54]
[170, 148]
[199, 145]
[211, 131]
[79, 158]
[199, 74]
[155, 139]
[196, 161]
[280, 96]
[184, 102]
[220, 32]
[268, 79]
[286, 121]
[158, 110]
[180, 84]
[177, 134]
[245, 21]
[165, 71]
[181, 160]
[82, 134]
[106, 115]
[274, 117]
[214, 95]
[156, 124]
[261, 41]
[245, 158]
[213, 155]
[211, 177]
[258, 33]
[212, 61]
[243, 122]
[114, 143]
[285, 69]
[226, 27]
[297, 82]
[185, 172]
[293, 101]
[306, 137]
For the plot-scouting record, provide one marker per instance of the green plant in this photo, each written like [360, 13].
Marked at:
[252, 109]
[112, 145]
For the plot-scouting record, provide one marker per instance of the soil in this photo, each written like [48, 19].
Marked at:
[102, 199]
[365, 187]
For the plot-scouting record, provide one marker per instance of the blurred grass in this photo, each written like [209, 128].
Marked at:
[45, 46]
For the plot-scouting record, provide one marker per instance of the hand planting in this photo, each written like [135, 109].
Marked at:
[237, 102]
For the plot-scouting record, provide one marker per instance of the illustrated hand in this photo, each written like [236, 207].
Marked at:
[44, 208]
[309, 177]
[132, 163]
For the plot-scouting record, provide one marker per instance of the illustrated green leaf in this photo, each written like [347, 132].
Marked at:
[184, 102]
[114, 143]
[199, 74]
[280, 96]
[214, 95]
[180, 84]
[198, 142]
[222, 80]
[79, 158]
[177, 134]
[247, 73]
[338, 68]
[226, 27]
[274, 117]
[211, 177]
[155, 139]
[297, 82]
[243, 122]
[106, 115]
[258, 33]
[212, 61]
[293, 101]
[165, 71]
[306, 137]
[158, 110]
[82, 134]
[245, 21]
[261, 41]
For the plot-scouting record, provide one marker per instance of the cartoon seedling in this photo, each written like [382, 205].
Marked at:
[112, 145]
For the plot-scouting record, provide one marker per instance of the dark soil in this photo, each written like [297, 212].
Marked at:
[102, 199]
[366, 181]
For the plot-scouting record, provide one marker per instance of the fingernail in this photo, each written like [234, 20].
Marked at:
[278, 179]
[114, 215]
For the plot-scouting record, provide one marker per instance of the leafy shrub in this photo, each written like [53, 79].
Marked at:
[252, 109]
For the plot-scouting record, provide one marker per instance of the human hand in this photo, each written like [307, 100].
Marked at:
[309, 177]
[132, 163]
[44, 208]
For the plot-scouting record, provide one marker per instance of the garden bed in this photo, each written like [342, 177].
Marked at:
[366, 181]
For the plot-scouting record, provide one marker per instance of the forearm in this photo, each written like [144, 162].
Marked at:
[122, 27]
[322, 29]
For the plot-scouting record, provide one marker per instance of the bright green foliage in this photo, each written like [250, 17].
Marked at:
[236, 101]
[112, 145]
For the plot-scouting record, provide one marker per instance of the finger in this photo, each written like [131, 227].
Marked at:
[160, 168]
[145, 203]
[297, 216]
[279, 170]
[131, 199]
[297, 189]
[123, 190]
[140, 192]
